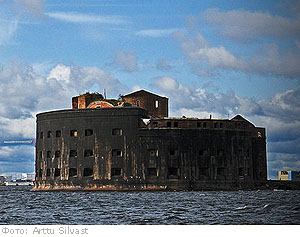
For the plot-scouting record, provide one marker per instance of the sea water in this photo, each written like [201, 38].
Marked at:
[20, 205]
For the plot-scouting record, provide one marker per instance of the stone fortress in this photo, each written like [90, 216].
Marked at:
[132, 144]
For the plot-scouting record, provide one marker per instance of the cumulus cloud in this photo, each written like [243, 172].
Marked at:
[125, 61]
[246, 25]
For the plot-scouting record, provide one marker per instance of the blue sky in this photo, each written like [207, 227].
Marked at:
[209, 57]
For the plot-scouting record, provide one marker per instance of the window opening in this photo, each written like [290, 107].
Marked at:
[116, 152]
[204, 124]
[88, 132]
[156, 104]
[152, 171]
[42, 135]
[115, 172]
[153, 152]
[48, 172]
[87, 172]
[58, 133]
[48, 154]
[56, 172]
[168, 124]
[73, 133]
[88, 153]
[49, 134]
[175, 124]
[57, 154]
[117, 132]
[173, 172]
[72, 172]
[73, 153]
[138, 103]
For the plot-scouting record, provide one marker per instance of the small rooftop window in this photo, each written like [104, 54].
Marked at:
[73, 133]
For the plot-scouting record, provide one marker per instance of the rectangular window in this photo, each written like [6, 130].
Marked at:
[198, 125]
[204, 124]
[87, 172]
[56, 172]
[138, 103]
[73, 133]
[115, 172]
[42, 135]
[175, 124]
[48, 154]
[220, 152]
[40, 173]
[215, 125]
[173, 152]
[168, 124]
[41, 154]
[116, 152]
[73, 153]
[221, 125]
[117, 132]
[88, 153]
[49, 134]
[58, 133]
[57, 154]
[72, 172]
[203, 152]
[156, 104]
[241, 171]
[88, 132]
[152, 171]
[48, 172]
[173, 173]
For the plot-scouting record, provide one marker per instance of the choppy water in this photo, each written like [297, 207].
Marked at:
[20, 205]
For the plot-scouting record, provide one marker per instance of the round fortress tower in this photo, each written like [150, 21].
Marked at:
[125, 148]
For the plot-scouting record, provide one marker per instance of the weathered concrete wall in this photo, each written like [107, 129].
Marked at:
[109, 149]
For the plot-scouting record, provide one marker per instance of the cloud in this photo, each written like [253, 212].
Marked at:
[247, 25]
[125, 61]
[75, 17]
[35, 7]
[7, 31]
[25, 93]
[156, 33]
[163, 65]
[205, 59]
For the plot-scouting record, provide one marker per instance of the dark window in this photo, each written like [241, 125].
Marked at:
[57, 154]
[88, 153]
[168, 124]
[56, 172]
[115, 172]
[175, 124]
[152, 171]
[73, 153]
[198, 125]
[49, 134]
[153, 152]
[40, 173]
[221, 125]
[58, 133]
[173, 152]
[116, 152]
[202, 152]
[220, 152]
[117, 132]
[72, 172]
[87, 172]
[48, 172]
[138, 104]
[48, 154]
[215, 125]
[88, 132]
[204, 124]
[241, 171]
[41, 154]
[203, 171]
[73, 133]
[220, 171]
[42, 135]
[173, 173]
